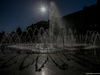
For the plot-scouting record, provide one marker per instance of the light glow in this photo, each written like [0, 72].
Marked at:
[43, 72]
[43, 9]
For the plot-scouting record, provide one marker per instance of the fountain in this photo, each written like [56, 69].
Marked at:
[56, 38]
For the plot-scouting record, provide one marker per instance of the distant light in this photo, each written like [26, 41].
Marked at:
[43, 9]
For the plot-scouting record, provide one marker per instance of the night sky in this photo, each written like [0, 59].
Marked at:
[15, 13]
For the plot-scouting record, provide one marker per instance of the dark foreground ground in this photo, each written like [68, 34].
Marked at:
[42, 64]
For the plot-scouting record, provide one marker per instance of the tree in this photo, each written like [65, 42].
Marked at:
[19, 31]
[1, 35]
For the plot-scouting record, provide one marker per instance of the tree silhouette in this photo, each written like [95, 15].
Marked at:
[19, 31]
[1, 35]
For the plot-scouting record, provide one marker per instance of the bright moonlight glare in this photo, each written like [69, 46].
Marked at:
[43, 9]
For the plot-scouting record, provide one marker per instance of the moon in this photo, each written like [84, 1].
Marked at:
[43, 9]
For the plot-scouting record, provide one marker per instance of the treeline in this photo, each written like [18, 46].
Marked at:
[30, 34]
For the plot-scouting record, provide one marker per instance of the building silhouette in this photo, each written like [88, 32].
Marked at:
[84, 20]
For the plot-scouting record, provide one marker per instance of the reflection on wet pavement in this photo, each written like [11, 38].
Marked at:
[39, 64]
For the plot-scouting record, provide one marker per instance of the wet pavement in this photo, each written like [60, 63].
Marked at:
[40, 64]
